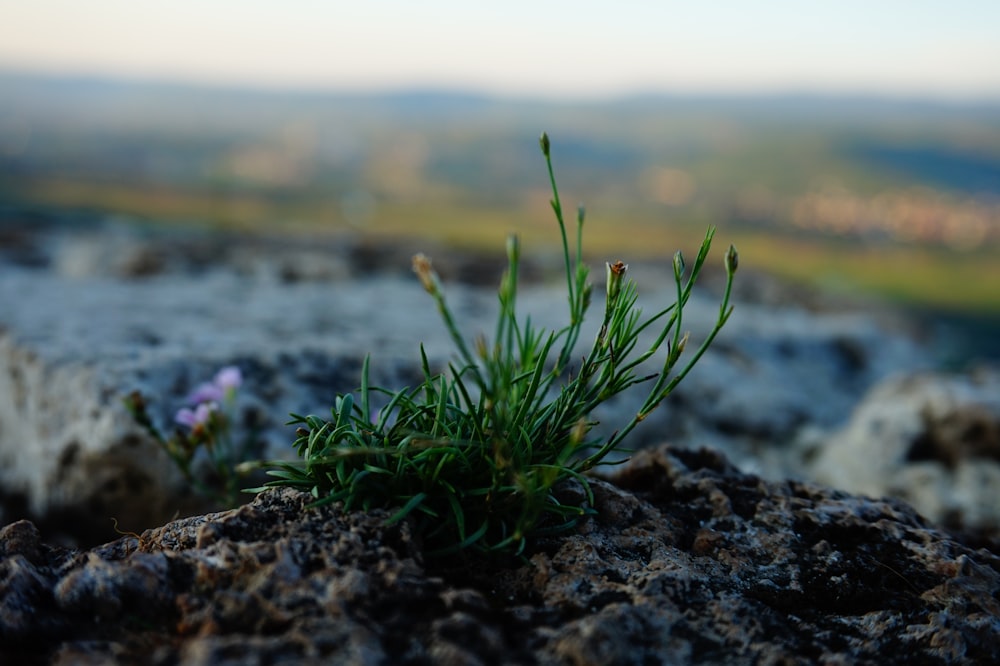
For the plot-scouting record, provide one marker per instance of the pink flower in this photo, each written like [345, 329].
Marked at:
[199, 416]
[205, 393]
[222, 387]
[228, 378]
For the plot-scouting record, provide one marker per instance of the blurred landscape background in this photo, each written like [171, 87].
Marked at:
[853, 186]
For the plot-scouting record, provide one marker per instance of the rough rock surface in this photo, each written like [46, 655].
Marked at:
[91, 313]
[931, 439]
[688, 561]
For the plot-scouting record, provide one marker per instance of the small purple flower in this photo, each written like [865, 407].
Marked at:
[229, 378]
[205, 393]
[199, 416]
[222, 387]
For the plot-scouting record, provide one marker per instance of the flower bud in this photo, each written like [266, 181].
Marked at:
[732, 260]
[135, 402]
[543, 141]
[616, 273]
[422, 267]
[683, 343]
[678, 264]
[513, 248]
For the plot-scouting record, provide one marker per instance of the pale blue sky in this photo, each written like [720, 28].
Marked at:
[581, 48]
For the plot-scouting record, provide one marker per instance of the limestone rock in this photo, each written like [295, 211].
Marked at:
[931, 439]
[688, 561]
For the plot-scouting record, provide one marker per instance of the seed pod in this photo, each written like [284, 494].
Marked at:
[732, 260]
[616, 273]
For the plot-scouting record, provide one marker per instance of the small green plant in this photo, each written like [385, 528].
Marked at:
[205, 424]
[472, 456]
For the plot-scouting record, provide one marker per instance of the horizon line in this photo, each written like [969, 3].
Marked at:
[484, 93]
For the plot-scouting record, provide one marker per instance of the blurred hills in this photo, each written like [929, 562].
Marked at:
[894, 197]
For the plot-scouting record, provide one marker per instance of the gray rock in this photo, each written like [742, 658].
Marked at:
[775, 371]
[931, 439]
[687, 561]
[73, 349]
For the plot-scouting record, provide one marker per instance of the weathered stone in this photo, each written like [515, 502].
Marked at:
[687, 561]
[930, 439]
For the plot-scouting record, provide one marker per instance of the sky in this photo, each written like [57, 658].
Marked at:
[580, 49]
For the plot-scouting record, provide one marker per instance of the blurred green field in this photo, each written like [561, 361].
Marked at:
[891, 198]
[925, 276]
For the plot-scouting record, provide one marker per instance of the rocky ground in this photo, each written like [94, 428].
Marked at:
[688, 561]
[692, 559]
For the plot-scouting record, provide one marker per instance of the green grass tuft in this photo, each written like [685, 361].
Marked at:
[473, 456]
